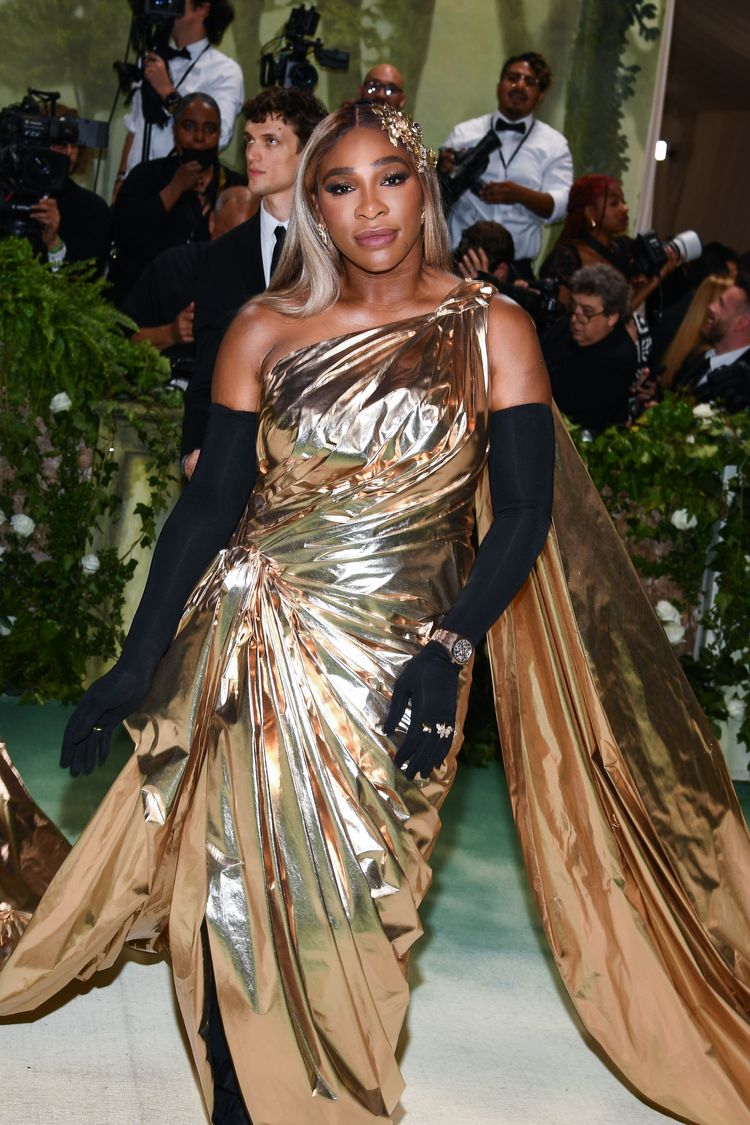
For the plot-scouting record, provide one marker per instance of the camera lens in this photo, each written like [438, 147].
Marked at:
[687, 246]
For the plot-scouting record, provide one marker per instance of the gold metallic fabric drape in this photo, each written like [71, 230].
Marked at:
[634, 842]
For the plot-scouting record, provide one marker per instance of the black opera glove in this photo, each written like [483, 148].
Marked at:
[429, 682]
[107, 702]
[198, 527]
[521, 468]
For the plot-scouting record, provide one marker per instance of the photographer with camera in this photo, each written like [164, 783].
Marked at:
[595, 233]
[528, 169]
[167, 202]
[593, 357]
[486, 252]
[73, 223]
[189, 62]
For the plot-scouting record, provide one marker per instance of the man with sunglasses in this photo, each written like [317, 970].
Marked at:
[383, 84]
[528, 178]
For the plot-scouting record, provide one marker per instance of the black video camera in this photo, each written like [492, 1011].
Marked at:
[469, 167]
[150, 29]
[286, 65]
[29, 166]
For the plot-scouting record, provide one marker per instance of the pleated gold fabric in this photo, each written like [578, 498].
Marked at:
[635, 846]
[262, 801]
[31, 851]
[263, 798]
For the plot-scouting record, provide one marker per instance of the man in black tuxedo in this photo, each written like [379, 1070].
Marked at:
[239, 265]
[721, 375]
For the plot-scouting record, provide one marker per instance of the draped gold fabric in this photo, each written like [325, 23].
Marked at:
[31, 851]
[635, 845]
[262, 797]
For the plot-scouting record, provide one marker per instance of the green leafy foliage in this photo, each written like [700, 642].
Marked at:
[677, 486]
[68, 371]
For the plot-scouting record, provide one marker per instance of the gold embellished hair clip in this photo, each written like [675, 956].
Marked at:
[402, 130]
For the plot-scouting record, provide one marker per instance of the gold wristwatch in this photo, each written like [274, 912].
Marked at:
[460, 649]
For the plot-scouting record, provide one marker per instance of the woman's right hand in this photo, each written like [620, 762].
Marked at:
[185, 179]
[187, 175]
[107, 702]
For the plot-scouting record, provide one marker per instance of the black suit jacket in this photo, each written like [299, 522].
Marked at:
[727, 386]
[231, 273]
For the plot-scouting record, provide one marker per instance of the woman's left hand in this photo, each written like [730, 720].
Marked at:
[430, 683]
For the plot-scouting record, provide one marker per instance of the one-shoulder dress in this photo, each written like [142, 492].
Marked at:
[262, 833]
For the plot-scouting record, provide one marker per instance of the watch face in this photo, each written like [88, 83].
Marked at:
[462, 651]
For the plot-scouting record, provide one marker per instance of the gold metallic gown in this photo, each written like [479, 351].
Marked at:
[263, 798]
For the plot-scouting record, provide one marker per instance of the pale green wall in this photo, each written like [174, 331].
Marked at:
[451, 48]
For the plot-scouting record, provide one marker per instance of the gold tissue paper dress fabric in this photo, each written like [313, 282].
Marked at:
[263, 798]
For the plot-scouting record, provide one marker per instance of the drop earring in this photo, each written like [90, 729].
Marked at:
[323, 234]
[421, 218]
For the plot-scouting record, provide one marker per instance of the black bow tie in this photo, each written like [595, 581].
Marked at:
[509, 126]
[176, 53]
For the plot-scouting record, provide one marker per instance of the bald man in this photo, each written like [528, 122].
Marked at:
[384, 84]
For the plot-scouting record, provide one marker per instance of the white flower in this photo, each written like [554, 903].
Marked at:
[703, 410]
[6, 624]
[675, 632]
[737, 708]
[59, 402]
[690, 439]
[665, 611]
[682, 520]
[22, 525]
[90, 564]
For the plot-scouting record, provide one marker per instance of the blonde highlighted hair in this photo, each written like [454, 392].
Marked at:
[308, 277]
[688, 336]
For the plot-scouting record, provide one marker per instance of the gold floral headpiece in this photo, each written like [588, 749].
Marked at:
[402, 130]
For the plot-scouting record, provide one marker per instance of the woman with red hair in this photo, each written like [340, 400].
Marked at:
[593, 233]
[597, 215]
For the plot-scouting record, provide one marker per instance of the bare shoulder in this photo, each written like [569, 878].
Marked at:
[517, 370]
[251, 336]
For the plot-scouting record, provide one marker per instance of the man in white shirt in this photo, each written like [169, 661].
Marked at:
[721, 375]
[202, 68]
[528, 178]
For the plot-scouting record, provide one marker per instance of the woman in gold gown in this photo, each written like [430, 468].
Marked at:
[263, 832]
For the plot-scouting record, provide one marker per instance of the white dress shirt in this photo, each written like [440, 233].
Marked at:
[540, 159]
[268, 238]
[207, 71]
[722, 360]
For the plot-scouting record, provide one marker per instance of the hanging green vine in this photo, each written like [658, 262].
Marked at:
[68, 373]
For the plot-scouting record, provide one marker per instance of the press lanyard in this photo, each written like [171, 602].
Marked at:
[200, 56]
[506, 164]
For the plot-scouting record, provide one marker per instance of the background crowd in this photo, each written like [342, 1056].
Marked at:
[187, 240]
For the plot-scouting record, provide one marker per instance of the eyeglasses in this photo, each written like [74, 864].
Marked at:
[586, 314]
[373, 86]
[517, 79]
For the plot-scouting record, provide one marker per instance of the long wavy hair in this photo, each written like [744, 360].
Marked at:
[588, 191]
[308, 277]
[688, 338]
